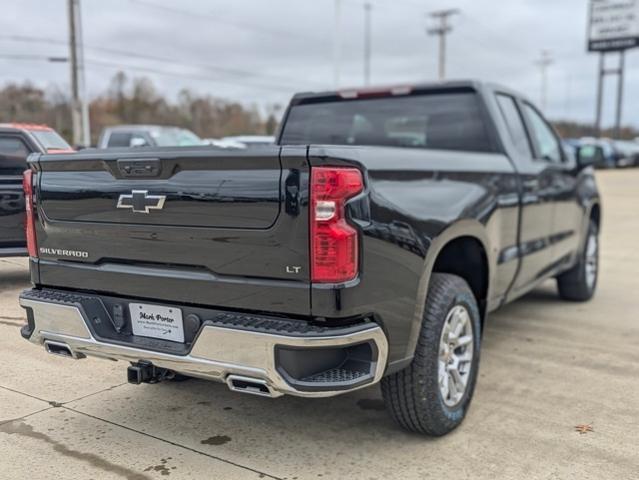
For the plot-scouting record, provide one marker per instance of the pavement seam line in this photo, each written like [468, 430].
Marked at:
[4, 422]
[59, 404]
[191, 449]
[25, 394]
[112, 387]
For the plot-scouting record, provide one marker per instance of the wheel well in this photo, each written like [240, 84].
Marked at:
[466, 258]
[595, 215]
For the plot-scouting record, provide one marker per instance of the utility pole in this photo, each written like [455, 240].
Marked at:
[79, 109]
[86, 129]
[337, 43]
[543, 63]
[367, 42]
[442, 30]
[620, 73]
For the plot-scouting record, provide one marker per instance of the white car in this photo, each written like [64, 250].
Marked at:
[148, 136]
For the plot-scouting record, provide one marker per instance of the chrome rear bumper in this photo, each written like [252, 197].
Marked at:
[217, 352]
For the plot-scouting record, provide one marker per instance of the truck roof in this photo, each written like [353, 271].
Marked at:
[399, 89]
[31, 127]
[141, 127]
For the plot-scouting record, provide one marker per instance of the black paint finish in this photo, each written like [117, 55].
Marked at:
[234, 222]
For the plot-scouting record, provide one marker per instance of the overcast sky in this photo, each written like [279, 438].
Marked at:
[261, 51]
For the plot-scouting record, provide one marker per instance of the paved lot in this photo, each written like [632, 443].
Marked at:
[547, 366]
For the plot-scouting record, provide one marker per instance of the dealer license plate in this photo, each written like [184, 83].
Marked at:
[157, 322]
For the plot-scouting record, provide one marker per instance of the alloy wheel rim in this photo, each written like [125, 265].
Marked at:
[455, 355]
[591, 261]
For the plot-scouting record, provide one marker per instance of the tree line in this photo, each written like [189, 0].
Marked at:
[136, 100]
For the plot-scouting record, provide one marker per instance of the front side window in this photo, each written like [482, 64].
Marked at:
[547, 143]
[436, 120]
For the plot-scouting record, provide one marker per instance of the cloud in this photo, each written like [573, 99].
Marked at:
[262, 52]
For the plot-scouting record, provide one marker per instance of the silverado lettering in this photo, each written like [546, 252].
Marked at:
[63, 253]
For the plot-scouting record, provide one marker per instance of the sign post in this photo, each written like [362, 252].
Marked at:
[613, 27]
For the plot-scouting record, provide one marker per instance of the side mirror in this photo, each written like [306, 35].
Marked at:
[138, 142]
[590, 155]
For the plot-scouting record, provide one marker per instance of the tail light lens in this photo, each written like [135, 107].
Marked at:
[334, 243]
[29, 224]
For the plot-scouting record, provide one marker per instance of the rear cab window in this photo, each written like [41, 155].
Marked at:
[120, 139]
[433, 120]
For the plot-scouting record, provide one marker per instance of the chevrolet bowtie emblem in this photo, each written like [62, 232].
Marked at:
[141, 202]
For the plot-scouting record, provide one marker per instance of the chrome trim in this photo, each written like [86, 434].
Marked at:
[231, 378]
[217, 352]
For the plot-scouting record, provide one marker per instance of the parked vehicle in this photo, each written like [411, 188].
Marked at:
[250, 141]
[148, 136]
[242, 142]
[626, 153]
[368, 245]
[17, 141]
[607, 156]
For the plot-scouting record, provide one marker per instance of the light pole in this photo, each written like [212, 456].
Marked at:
[543, 63]
[337, 43]
[367, 42]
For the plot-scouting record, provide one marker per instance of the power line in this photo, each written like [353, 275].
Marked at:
[216, 18]
[157, 58]
[442, 31]
[101, 63]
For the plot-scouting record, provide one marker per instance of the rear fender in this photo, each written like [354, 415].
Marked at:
[463, 228]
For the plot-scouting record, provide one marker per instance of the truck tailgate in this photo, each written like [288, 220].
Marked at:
[200, 225]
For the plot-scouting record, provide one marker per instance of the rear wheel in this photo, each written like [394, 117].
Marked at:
[579, 283]
[432, 395]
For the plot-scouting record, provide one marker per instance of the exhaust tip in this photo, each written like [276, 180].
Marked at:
[58, 348]
[252, 386]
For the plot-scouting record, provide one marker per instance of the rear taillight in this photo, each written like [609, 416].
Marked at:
[334, 243]
[29, 224]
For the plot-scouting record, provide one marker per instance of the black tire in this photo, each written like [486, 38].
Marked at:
[413, 395]
[574, 284]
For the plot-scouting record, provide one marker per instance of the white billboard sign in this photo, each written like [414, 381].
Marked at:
[614, 25]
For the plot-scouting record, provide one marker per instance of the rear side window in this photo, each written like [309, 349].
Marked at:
[13, 155]
[515, 124]
[120, 139]
[448, 121]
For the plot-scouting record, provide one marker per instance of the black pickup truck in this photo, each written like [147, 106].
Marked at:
[368, 245]
[17, 142]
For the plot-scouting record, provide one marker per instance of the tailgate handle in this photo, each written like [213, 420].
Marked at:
[140, 168]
